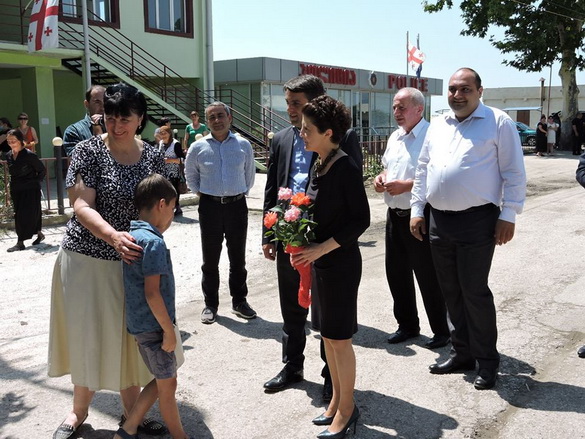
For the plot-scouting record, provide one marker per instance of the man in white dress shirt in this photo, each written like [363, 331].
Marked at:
[471, 172]
[405, 253]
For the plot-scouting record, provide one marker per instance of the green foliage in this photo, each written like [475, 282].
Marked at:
[538, 32]
[296, 233]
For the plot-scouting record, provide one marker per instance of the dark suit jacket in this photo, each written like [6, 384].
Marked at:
[280, 160]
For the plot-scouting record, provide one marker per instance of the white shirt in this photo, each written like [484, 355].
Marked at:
[471, 163]
[400, 160]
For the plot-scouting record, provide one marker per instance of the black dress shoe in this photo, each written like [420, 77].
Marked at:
[581, 352]
[452, 365]
[438, 341]
[400, 336]
[327, 391]
[323, 420]
[486, 379]
[284, 379]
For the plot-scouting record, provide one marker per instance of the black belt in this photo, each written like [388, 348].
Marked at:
[224, 200]
[469, 210]
[400, 212]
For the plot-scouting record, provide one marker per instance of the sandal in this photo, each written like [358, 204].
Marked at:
[149, 426]
[124, 435]
[65, 431]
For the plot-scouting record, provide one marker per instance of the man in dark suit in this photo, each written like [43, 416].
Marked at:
[289, 166]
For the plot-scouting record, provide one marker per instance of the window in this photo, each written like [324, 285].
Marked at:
[172, 17]
[98, 11]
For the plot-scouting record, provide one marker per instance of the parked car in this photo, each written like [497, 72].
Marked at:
[527, 135]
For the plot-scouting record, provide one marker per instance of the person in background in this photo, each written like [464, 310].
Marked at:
[578, 132]
[92, 124]
[5, 126]
[342, 214]
[26, 175]
[149, 286]
[87, 333]
[192, 129]
[471, 173]
[174, 155]
[220, 169]
[162, 122]
[404, 253]
[551, 135]
[541, 137]
[30, 135]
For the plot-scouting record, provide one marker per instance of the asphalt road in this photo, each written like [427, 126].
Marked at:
[538, 285]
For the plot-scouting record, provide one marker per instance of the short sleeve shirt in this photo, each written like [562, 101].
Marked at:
[156, 260]
[114, 184]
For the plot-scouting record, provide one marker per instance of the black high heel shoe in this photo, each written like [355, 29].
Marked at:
[341, 434]
[323, 420]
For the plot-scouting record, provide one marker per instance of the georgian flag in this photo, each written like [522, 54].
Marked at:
[415, 57]
[43, 28]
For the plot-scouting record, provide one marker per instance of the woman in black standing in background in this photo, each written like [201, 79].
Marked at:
[342, 214]
[26, 174]
[541, 133]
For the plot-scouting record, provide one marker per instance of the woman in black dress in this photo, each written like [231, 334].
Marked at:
[342, 214]
[26, 174]
[541, 133]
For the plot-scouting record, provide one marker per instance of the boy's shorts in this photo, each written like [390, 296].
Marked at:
[161, 364]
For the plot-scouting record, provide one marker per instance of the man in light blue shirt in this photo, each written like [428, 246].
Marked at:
[220, 169]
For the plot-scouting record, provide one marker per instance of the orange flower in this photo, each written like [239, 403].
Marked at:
[270, 219]
[300, 199]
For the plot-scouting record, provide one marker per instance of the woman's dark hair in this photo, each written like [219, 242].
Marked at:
[327, 113]
[151, 189]
[5, 121]
[16, 133]
[123, 100]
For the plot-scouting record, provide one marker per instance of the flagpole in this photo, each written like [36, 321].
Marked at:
[86, 55]
[407, 57]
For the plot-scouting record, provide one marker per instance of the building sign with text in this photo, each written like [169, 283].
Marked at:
[330, 75]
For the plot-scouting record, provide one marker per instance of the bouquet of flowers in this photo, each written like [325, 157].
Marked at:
[291, 223]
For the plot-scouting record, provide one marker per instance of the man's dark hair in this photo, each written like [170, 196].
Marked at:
[90, 89]
[163, 121]
[124, 100]
[477, 77]
[327, 113]
[5, 121]
[151, 189]
[310, 85]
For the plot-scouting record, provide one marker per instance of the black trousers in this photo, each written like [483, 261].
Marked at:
[404, 255]
[577, 140]
[462, 245]
[218, 221]
[294, 316]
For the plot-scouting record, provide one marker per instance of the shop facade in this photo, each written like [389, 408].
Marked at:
[368, 94]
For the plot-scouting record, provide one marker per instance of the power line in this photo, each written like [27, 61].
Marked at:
[529, 5]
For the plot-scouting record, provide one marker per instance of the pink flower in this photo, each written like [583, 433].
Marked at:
[292, 214]
[284, 193]
[270, 219]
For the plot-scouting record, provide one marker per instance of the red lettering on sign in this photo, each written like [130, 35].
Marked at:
[330, 75]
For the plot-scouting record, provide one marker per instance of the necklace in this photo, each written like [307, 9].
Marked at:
[320, 166]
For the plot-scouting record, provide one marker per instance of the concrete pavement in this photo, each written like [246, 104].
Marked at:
[537, 281]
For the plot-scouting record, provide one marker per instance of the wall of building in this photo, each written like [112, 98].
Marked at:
[509, 97]
[186, 56]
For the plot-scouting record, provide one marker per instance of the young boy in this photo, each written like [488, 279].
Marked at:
[150, 305]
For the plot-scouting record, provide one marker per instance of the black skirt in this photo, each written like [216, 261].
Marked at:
[27, 212]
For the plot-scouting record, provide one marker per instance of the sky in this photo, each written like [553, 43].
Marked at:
[364, 34]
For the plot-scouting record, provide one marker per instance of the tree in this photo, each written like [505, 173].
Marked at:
[538, 32]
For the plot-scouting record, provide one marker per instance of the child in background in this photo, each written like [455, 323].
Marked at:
[149, 287]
